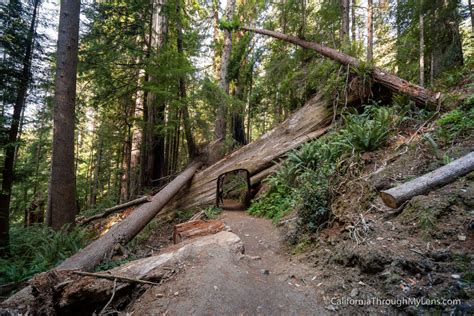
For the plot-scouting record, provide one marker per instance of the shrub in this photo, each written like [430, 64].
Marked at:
[38, 248]
[302, 181]
[369, 131]
[454, 124]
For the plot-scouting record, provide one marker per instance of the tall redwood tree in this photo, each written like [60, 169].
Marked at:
[62, 189]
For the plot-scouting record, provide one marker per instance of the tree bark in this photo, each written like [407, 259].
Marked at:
[422, 49]
[9, 162]
[419, 94]
[344, 31]
[395, 197]
[471, 12]
[220, 124]
[192, 151]
[354, 21]
[370, 31]
[308, 123]
[153, 153]
[123, 232]
[62, 200]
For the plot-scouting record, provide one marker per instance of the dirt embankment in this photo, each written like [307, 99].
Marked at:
[423, 250]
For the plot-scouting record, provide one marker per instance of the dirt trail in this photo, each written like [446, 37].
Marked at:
[223, 283]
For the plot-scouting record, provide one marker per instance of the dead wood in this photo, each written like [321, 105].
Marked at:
[115, 208]
[114, 277]
[396, 196]
[196, 228]
[420, 95]
[309, 122]
[123, 232]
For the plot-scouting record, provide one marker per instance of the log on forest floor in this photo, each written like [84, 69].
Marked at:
[396, 196]
[62, 291]
[420, 95]
[309, 122]
[123, 232]
[196, 228]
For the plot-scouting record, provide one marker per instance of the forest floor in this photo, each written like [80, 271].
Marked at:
[264, 280]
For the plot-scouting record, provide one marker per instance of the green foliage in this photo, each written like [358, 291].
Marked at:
[230, 26]
[454, 124]
[212, 212]
[302, 181]
[37, 249]
[370, 130]
[273, 205]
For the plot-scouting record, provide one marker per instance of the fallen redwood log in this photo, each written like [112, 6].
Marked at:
[396, 196]
[66, 292]
[396, 84]
[196, 228]
[123, 232]
[115, 208]
[309, 122]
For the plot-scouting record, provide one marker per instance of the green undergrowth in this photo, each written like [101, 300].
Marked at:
[38, 248]
[303, 180]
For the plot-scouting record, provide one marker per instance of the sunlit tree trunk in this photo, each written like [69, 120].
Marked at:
[220, 124]
[344, 31]
[354, 21]
[471, 11]
[370, 31]
[422, 50]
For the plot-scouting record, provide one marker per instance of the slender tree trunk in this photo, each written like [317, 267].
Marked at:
[137, 137]
[370, 31]
[344, 31]
[182, 87]
[97, 171]
[220, 125]
[471, 11]
[354, 21]
[422, 50]
[8, 172]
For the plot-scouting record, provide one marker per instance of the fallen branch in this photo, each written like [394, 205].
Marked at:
[114, 277]
[396, 196]
[116, 208]
[123, 232]
[396, 84]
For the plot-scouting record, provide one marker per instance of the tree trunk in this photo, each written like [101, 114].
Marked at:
[62, 202]
[471, 11]
[370, 31]
[9, 162]
[344, 31]
[422, 50]
[192, 151]
[395, 197]
[153, 140]
[220, 125]
[123, 232]
[95, 178]
[308, 123]
[419, 94]
[354, 21]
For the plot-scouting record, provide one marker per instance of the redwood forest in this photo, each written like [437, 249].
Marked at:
[236, 157]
